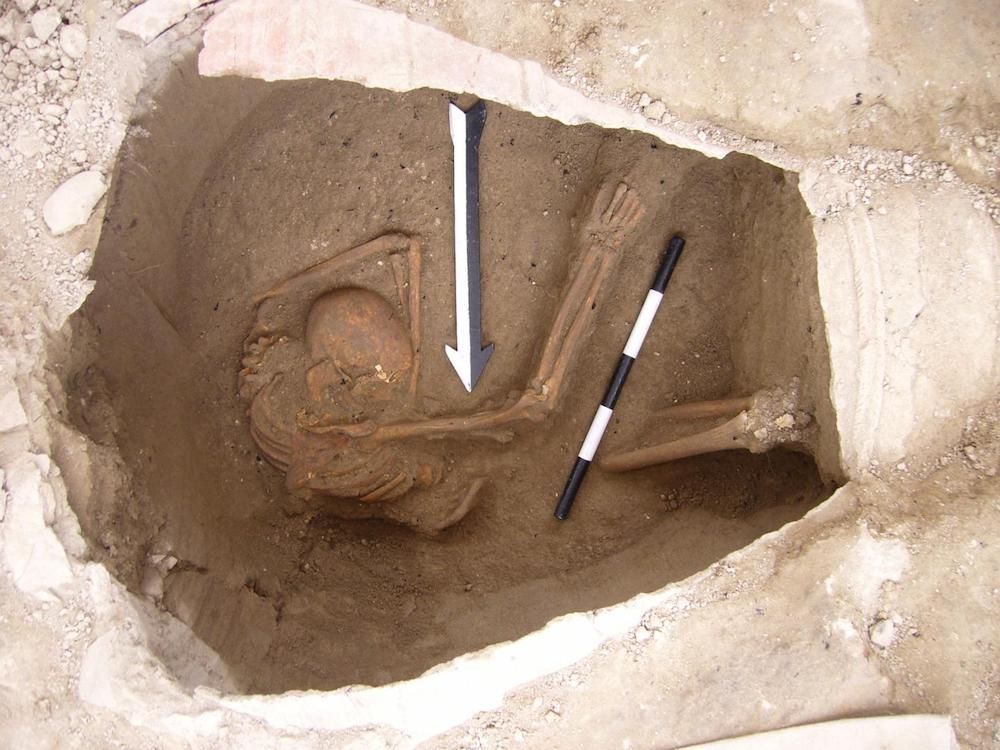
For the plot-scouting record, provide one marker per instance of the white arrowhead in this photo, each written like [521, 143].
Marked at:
[462, 363]
[468, 365]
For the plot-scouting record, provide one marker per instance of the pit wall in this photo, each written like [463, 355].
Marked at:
[909, 298]
[132, 545]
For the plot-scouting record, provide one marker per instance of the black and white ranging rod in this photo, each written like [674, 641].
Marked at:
[631, 351]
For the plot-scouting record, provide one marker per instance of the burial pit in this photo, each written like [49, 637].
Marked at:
[227, 188]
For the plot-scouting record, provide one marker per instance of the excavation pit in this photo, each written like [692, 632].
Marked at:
[227, 187]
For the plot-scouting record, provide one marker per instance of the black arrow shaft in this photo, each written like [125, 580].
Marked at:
[475, 120]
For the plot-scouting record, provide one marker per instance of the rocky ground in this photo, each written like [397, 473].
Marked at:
[887, 110]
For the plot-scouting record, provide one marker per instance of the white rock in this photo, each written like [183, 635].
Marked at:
[12, 413]
[41, 57]
[29, 144]
[8, 26]
[24, 5]
[32, 553]
[785, 422]
[71, 204]
[655, 110]
[73, 41]
[882, 633]
[153, 17]
[45, 22]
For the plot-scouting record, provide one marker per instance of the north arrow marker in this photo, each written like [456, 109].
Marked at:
[470, 357]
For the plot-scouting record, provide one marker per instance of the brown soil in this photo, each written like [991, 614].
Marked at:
[229, 186]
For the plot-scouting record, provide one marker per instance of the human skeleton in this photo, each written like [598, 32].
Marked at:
[330, 374]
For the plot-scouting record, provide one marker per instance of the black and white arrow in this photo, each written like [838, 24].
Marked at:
[470, 357]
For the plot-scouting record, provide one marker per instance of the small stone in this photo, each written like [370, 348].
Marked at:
[796, 57]
[971, 453]
[78, 112]
[41, 57]
[907, 168]
[73, 41]
[24, 5]
[785, 422]
[980, 141]
[760, 434]
[71, 204]
[882, 633]
[655, 110]
[29, 144]
[11, 71]
[18, 56]
[79, 156]
[53, 110]
[32, 552]
[45, 22]
[12, 414]
[645, 100]
[9, 27]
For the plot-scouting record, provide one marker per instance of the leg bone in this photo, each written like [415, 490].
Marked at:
[707, 409]
[727, 436]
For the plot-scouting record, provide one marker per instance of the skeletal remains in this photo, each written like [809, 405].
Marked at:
[330, 378]
[768, 418]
